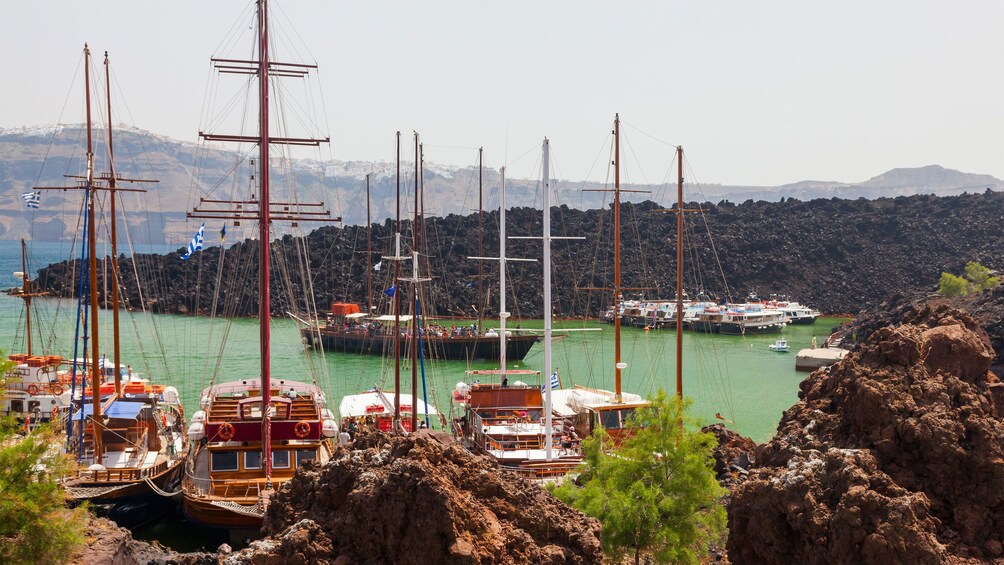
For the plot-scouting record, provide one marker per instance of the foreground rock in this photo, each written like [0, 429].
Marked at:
[418, 499]
[107, 543]
[896, 454]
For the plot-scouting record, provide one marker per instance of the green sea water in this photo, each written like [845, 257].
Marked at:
[737, 377]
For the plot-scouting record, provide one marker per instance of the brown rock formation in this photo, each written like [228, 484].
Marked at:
[896, 454]
[107, 543]
[418, 499]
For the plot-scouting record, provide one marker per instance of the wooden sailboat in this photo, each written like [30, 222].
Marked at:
[348, 329]
[250, 434]
[512, 422]
[126, 433]
[35, 390]
[592, 408]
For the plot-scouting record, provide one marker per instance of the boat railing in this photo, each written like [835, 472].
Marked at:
[202, 487]
[123, 474]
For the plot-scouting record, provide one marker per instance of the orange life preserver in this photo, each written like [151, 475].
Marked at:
[33, 389]
[302, 429]
[226, 431]
[55, 412]
[56, 388]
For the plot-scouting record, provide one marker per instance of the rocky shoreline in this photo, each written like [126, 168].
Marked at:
[878, 250]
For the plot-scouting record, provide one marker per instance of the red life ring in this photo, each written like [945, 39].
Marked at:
[302, 429]
[55, 412]
[33, 389]
[56, 389]
[226, 431]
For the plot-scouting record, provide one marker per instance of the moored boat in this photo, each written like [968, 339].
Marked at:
[781, 345]
[250, 434]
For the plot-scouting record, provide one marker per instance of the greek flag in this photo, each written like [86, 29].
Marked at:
[555, 383]
[196, 243]
[32, 199]
[101, 362]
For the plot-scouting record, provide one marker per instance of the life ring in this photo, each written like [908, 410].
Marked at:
[33, 389]
[56, 389]
[226, 431]
[302, 429]
[55, 412]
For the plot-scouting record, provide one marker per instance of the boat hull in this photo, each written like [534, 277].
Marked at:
[203, 512]
[453, 349]
[135, 503]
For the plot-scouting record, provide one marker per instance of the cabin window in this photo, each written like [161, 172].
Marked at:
[17, 405]
[34, 405]
[609, 419]
[280, 459]
[252, 460]
[626, 415]
[305, 455]
[224, 460]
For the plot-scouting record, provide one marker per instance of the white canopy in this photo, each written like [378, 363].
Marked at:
[374, 403]
[390, 318]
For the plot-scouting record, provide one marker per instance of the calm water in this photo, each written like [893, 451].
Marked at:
[738, 377]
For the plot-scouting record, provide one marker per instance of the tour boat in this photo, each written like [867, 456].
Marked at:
[126, 434]
[250, 434]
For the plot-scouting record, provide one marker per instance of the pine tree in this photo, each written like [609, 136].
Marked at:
[656, 491]
[35, 525]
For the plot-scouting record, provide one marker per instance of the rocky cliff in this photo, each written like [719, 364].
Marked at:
[841, 256]
[895, 454]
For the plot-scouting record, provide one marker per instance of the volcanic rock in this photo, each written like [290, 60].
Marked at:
[877, 250]
[418, 499]
[106, 542]
[895, 454]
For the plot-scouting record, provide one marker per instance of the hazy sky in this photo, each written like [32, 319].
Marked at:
[758, 93]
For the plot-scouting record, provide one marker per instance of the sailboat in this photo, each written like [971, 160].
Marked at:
[35, 390]
[513, 422]
[250, 434]
[590, 408]
[126, 434]
[374, 408]
[347, 329]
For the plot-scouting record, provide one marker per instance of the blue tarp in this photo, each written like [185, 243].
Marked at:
[124, 409]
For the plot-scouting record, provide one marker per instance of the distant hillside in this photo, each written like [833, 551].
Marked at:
[187, 171]
[842, 256]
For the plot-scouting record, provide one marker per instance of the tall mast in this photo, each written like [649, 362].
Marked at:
[546, 201]
[618, 365]
[679, 275]
[503, 314]
[26, 295]
[115, 255]
[397, 298]
[92, 268]
[414, 318]
[264, 301]
[481, 238]
[369, 252]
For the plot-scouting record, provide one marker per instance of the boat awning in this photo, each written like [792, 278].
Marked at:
[122, 409]
[390, 318]
[376, 403]
[355, 315]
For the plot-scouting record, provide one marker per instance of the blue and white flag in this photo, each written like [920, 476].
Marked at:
[101, 362]
[391, 291]
[32, 199]
[555, 383]
[196, 243]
